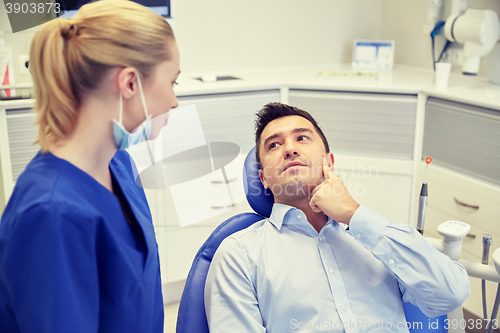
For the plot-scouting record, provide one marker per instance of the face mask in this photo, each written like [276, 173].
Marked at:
[124, 138]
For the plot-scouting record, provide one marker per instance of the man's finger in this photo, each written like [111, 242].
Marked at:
[327, 172]
[315, 189]
[315, 208]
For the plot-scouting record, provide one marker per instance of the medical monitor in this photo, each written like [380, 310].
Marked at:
[70, 7]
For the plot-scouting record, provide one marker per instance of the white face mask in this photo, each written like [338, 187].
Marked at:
[124, 138]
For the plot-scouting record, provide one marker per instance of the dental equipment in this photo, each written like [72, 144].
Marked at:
[496, 260]
[434, 11]
[422, 204]
[477, 29]
[453, 233]
[484, 260]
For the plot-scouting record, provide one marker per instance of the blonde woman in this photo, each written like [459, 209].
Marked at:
[77, 246]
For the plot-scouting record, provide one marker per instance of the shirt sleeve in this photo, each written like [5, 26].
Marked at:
[50, 271]
[427, 278]
[231, 303]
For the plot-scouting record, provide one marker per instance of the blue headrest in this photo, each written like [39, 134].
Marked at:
[260, 199]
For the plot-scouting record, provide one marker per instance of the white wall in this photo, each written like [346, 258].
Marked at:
[232, 34]
[403, 21]
[222, 35]
[225, 35]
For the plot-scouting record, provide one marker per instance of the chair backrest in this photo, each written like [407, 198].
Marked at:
[191, 316]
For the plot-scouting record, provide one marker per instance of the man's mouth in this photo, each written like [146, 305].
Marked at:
[292, 164]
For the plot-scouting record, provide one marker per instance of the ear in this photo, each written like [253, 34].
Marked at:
[127, 82]
[330, 159]
[262, 179]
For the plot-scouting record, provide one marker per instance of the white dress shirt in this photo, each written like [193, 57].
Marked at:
[281, 275]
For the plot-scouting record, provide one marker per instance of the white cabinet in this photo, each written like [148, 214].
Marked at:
[464, 138]
[17, 135]
[464, 179]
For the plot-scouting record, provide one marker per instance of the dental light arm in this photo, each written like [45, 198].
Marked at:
[478, 30]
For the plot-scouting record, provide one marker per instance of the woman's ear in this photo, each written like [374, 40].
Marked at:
[127, 78]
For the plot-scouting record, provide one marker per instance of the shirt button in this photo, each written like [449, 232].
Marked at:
[299, 216]
[343, 308]
[332, 270]
[358, 236]
[391, 261]
[320, 239]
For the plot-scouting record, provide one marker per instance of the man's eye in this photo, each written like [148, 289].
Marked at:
[273, 145]
[302, 138]
[175, 82]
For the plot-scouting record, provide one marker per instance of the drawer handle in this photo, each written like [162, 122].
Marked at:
[470, 236]
[221, 207]
[466, 205]
[222, 182]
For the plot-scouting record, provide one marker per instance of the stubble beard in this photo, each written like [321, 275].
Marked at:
[294, 193]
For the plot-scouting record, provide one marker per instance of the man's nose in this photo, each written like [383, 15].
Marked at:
[291, 150]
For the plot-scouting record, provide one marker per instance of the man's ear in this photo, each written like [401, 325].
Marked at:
[262, 179]
[330, 159]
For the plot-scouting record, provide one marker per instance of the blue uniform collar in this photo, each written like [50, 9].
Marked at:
[131, 191]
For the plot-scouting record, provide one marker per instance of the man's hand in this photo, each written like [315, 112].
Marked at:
[332, 198]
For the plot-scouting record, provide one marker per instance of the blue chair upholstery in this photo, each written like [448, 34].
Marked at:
[192, 318]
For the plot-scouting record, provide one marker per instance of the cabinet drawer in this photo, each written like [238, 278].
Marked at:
[443, 198]
[381, 125]
[464, 138]
[22, 133]
[230, 117]
[445, 186]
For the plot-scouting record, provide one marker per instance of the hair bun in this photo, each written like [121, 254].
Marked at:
[68, 30]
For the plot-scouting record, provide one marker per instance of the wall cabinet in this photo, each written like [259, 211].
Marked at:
[464, 142]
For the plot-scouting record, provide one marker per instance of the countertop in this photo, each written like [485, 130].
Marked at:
[399, 80]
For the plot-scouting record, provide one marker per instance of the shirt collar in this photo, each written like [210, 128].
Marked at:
[282, 214]
[278, 214]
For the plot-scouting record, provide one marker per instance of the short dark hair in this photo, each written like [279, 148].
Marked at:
[272, 111]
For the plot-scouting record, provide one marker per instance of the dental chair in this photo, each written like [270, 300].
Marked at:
[191, 316]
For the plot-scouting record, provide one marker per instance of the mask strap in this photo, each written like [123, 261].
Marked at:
[142, 95]
[121, 109]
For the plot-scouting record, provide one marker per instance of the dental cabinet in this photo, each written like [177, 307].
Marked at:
[464, 179]
[378, 129]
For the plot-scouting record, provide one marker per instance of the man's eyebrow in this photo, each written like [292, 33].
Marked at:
[296, 130]
[301, 130]
[271, 137]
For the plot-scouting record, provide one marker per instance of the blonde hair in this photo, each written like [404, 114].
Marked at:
[70, 57]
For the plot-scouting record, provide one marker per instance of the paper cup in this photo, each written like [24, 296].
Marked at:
[442, 74]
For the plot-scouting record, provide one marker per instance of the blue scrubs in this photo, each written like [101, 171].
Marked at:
[69, 261]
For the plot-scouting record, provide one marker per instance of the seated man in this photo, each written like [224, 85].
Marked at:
[302, 268]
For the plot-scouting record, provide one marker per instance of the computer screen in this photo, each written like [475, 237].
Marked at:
[70, 7]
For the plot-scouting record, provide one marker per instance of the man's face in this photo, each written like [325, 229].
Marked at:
[291, 153]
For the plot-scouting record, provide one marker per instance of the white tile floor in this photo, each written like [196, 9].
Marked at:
[170, 318]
